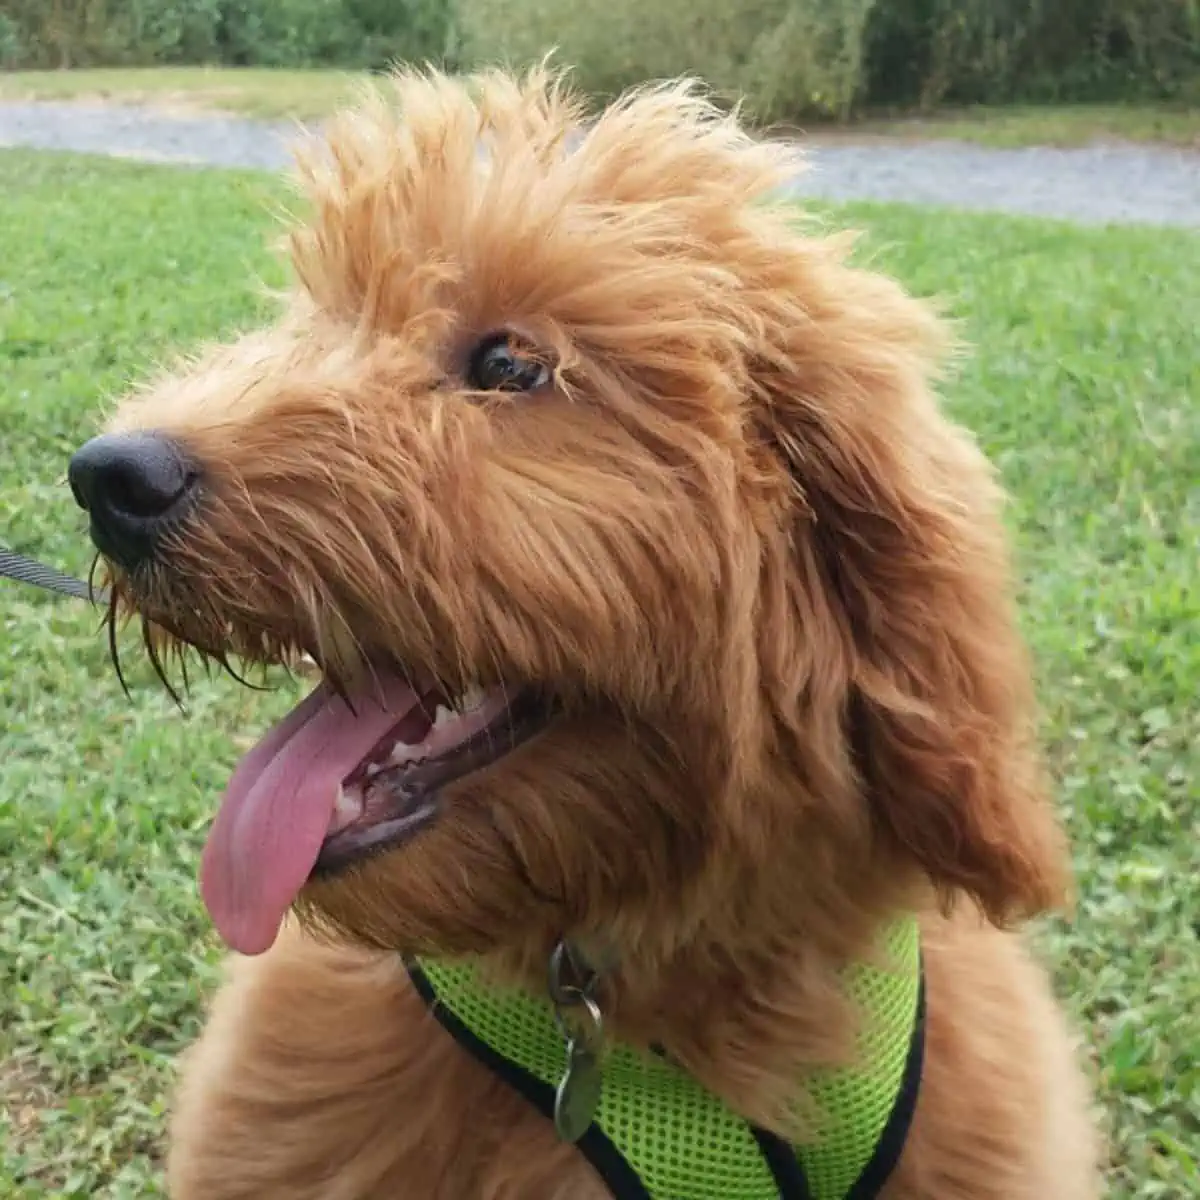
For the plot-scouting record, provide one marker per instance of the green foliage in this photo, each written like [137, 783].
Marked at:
[12, 48]
[1081, 388]
[782, 56]
[791, 58]
[787, 59]
[352, 33]
[989, 51]
[71, 33]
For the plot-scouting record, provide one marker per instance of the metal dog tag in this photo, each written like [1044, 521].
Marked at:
[578, 1094]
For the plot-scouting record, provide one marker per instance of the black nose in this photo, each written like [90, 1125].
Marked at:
[133, 486]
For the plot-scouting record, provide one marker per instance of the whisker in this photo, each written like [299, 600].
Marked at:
[156, 662]
[91, 579]
[114, 652]
[222, 660]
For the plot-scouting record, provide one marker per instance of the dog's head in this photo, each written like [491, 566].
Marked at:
[646, 579]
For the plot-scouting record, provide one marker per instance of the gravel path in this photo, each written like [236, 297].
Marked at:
[1094, 185]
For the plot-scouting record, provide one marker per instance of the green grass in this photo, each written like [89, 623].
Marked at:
[313, 93]
[1008, 126]
[264, 92]
[1083, 388]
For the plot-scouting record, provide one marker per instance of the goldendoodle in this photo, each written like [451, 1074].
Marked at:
[660, 822]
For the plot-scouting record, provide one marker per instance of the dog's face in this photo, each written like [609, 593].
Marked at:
[641, 569]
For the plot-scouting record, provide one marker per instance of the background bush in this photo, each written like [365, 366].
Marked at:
[925, 52]
[787, 58]
[784, 56]
[347, 33]
[791, 58]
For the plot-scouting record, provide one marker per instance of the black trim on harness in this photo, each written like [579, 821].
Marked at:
[883, 1162]
[606, 1159]
[781, 1159]
[786, 1169]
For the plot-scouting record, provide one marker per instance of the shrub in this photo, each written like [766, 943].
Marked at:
[928, 51]
[348, 33]
[791, 58]
[352, 33]
[782, 56]
[785, 58]
[12, 50]
[284, 33]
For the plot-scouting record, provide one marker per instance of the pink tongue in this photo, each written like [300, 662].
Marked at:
[279, 804]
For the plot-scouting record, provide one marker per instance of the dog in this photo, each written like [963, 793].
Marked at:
[664, 815]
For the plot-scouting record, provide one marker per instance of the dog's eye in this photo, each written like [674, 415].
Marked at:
[499, 366]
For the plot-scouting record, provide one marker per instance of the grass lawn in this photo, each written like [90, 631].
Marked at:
[1007, 126]
[1084, 389]
[249, 91]
[313, 93]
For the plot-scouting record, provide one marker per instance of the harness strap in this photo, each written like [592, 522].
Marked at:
[617, 1172]
[659, 1136]
[879, 1167]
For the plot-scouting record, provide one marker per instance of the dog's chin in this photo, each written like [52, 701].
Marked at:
[396, 791]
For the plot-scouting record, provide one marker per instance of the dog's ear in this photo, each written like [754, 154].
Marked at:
[899, 556]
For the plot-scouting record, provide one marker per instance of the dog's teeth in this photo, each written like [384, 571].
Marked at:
[403, 753]
[348, 806]
[373, 769]
[442, 716]
[350, 796]
[472, 699]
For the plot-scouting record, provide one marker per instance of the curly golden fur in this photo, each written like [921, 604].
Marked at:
[761, 573]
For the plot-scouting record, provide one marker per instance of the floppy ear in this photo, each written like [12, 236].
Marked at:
[900, 556]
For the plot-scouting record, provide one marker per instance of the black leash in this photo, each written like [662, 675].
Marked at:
[29, 570]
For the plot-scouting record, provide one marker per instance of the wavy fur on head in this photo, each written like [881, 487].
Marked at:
[734, 537]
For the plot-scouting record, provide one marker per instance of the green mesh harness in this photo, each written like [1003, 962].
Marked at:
[658, 1135]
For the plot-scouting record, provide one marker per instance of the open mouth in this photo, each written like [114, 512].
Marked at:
[395, 790]
[343, 777]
